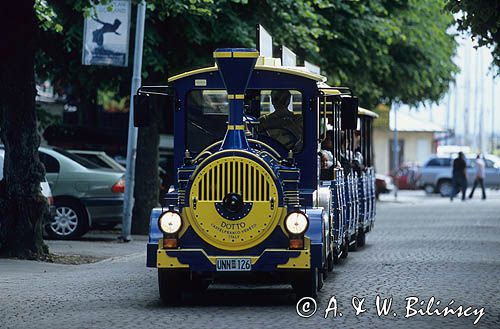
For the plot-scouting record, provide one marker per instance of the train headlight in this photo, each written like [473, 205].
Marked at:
[296, 222]
[170, 222]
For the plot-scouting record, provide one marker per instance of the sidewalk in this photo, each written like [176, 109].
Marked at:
[92, 248]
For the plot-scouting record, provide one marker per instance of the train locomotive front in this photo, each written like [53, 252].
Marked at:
[236, 210]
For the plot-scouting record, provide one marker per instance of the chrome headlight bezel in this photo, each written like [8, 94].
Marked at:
[170, 222]
[300, 225]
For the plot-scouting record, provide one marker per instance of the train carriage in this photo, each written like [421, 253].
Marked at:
[250, 198]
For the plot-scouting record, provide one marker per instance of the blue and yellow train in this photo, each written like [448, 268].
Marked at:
[275, 176]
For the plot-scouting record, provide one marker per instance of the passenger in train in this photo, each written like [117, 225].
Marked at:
[282, 125]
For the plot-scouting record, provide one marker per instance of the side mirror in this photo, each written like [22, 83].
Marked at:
[142, 110]
[349, 113]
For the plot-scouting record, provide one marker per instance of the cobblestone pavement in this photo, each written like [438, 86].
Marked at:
[421, 247]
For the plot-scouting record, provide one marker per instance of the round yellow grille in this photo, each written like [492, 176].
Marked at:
[256, 187]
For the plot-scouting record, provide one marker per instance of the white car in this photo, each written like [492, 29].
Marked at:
[44, 187]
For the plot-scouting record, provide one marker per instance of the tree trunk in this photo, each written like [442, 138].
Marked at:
[146, 186]
[22, 207]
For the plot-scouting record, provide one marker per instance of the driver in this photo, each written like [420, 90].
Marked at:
[282, 125]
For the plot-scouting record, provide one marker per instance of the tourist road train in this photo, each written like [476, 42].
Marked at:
[274, 176]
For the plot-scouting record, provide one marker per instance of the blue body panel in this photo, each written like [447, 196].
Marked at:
[316, 232]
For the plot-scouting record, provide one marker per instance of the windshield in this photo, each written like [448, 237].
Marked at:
[277, 114]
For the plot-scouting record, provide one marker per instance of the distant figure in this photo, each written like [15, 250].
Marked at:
[282, 125]
[459, 176]
[480, 165]
[98, 35]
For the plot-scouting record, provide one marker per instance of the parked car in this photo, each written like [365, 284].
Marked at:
[383, 184]
[44, 189]
[85, 194]
[435, 175]
[407, 176]
[99, 158]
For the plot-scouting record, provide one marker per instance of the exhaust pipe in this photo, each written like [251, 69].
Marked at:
[235, 67]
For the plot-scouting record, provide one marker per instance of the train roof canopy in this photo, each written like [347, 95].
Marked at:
[264, 64]
[362, 111]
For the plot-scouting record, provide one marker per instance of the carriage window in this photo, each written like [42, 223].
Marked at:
[281, 119]
[207, 112]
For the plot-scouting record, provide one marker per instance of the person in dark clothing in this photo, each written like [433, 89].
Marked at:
[459, 176]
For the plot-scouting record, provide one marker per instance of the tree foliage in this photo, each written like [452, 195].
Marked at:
[384, 49]
[482, 19]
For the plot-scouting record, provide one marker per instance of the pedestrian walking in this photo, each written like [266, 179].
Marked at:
[479, 179]
[459, 176]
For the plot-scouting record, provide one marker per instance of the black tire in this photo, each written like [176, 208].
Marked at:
[354, 246]
[336, 258]
[321, 279]
[330, 261]
[345, 250]
[429, 189]
[445, 188]
[361, 240]
[170, 285]
[305, 283]
[69, 222]
[198, 284]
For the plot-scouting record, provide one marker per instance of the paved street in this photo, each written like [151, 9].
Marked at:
[420, 247]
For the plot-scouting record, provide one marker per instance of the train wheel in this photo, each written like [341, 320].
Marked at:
[330, 261]
[336, 258]
[305, 283]
[345, 251]
[361, 240]
[198, 284]
[170, 283]
[321, 279]
[354, 246]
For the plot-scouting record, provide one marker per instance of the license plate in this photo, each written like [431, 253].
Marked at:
[233, 264]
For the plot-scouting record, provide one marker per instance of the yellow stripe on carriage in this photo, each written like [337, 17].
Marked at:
[236, 96]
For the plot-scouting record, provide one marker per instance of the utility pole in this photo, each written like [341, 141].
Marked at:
[475, 122]
[395, 150]
[466, 95]
[481, 127]
[128, 203]
[493, 114]
[455, 113]
[448, 109]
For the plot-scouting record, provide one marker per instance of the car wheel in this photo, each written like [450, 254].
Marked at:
[70, 221]
[429, 189]
[445, 188]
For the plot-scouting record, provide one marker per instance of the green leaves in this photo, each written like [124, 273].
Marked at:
[385, 50]
[480, 18]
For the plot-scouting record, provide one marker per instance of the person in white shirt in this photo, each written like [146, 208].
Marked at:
[480, 165]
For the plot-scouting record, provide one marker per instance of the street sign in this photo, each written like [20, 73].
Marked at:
[106, 34]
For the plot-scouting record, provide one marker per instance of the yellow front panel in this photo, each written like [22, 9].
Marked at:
[240, 176]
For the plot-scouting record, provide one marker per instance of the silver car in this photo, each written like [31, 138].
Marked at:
[435, 175]
[85, 195]
[44, 187]
[100, 158]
